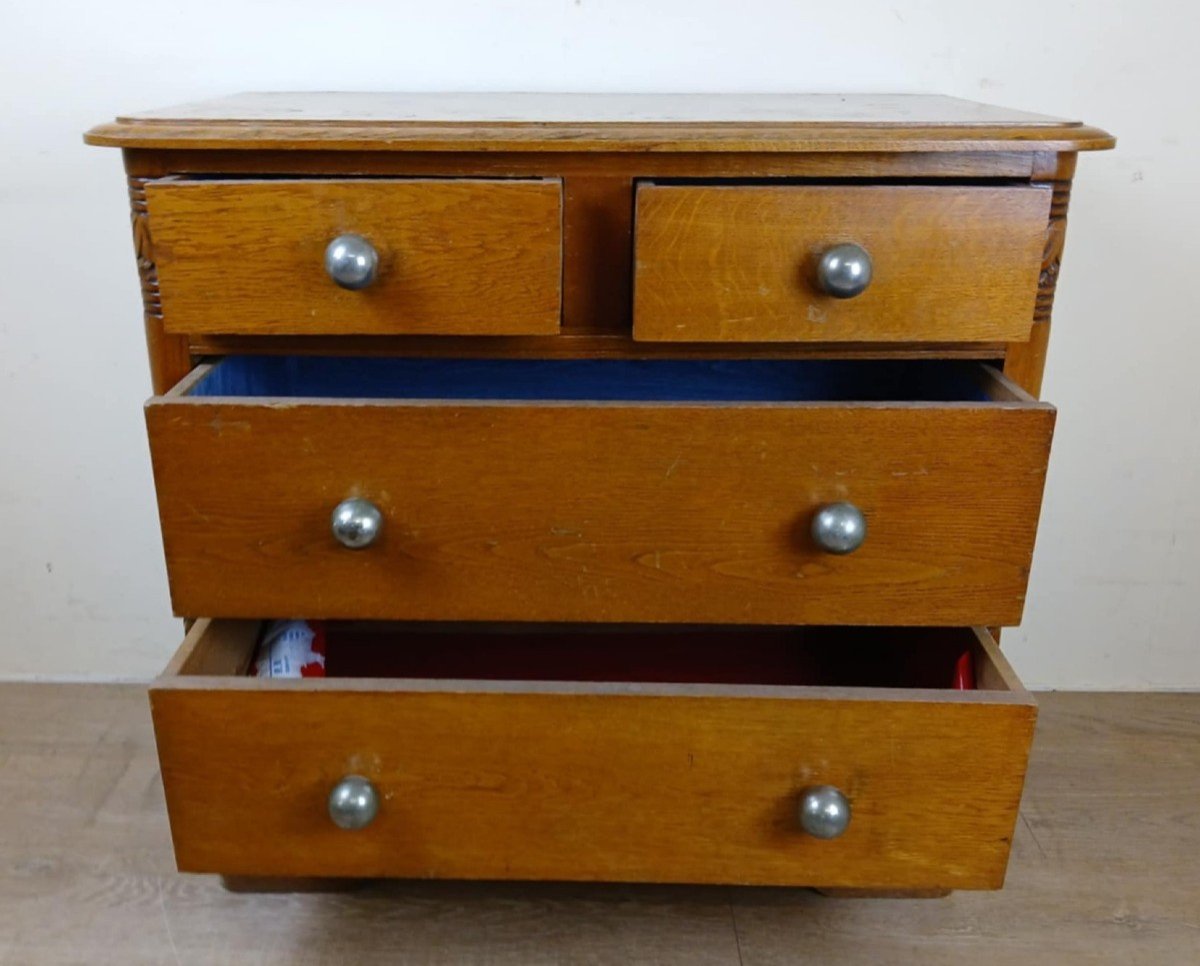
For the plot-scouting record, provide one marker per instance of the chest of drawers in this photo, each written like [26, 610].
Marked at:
[659, 464]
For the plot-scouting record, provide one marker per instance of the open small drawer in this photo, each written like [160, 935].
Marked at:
[783, 492]
[682, 754]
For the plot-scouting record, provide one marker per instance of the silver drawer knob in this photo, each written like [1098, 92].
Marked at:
[839, 528]
[844, 271]
[356, 523]
[351, 261]
[353, 803]
[824, 812]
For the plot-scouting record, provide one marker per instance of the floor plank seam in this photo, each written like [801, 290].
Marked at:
[1032, 834]
[737, 938]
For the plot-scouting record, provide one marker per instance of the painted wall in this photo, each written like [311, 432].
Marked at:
[1115, 598]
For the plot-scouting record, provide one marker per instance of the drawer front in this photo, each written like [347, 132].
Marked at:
[584, 781]
[683, 512]
[753, 263]
[454, 257]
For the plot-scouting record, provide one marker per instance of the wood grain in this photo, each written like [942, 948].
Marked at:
[1102, 870]
[583, 345]
[1025, 362]
[215, 648]
[738, 263]
[597, 242]
[456, 256]
[597, 206]
[168, 354]
[597, 213]
[570, 523]
[600, 512]
[590, 781]
[612, 122]
[161, 162]
[734, 138]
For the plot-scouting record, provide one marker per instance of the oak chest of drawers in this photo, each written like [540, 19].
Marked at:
[659, 464]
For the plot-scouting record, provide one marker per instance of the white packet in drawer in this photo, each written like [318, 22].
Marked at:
[291, 649]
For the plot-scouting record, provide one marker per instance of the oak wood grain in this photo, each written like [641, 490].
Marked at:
[168, 355]
[597, 206]
[737, 138]
[1025, 361]
[597, 241]
[456, 256]
[597, 268]
[161, 162]
[586, 781]
[737, 263]
[1097, 874]
[613, 122]
[215, 648]
[579, 344]
[600, 512]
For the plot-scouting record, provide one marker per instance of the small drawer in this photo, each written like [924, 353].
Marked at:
[358, 256]
[679, 754]
[837, 263]
[736, 492]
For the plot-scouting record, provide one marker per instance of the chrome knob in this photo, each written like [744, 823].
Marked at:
[839, 528]
[356, 523]
[351, 261]
[824, 812]
[844, 271]
[353, 803]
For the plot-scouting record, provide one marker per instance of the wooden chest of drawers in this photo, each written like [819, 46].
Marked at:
[659, 464]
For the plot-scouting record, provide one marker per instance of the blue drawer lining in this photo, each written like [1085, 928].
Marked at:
[617, 380]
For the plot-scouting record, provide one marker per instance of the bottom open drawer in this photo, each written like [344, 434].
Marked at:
[677, 754]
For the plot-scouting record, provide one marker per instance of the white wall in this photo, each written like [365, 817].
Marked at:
[1115, 599]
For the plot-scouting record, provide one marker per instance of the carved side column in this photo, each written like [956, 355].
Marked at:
[1024, 362]
[1056, 237]
[170, 360]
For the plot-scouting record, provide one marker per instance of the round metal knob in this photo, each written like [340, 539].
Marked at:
[824, 812]
[839, 528]
[356, 523]
[351, 261]
[844, 271]
[353, 803]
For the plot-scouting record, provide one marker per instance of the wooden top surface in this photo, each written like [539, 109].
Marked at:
[596, 122]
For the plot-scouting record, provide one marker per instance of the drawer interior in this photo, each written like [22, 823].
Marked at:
[661, 491]
[909, 658]
[675, 380]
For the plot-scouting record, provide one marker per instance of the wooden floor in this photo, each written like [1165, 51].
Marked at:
[1105, 869]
